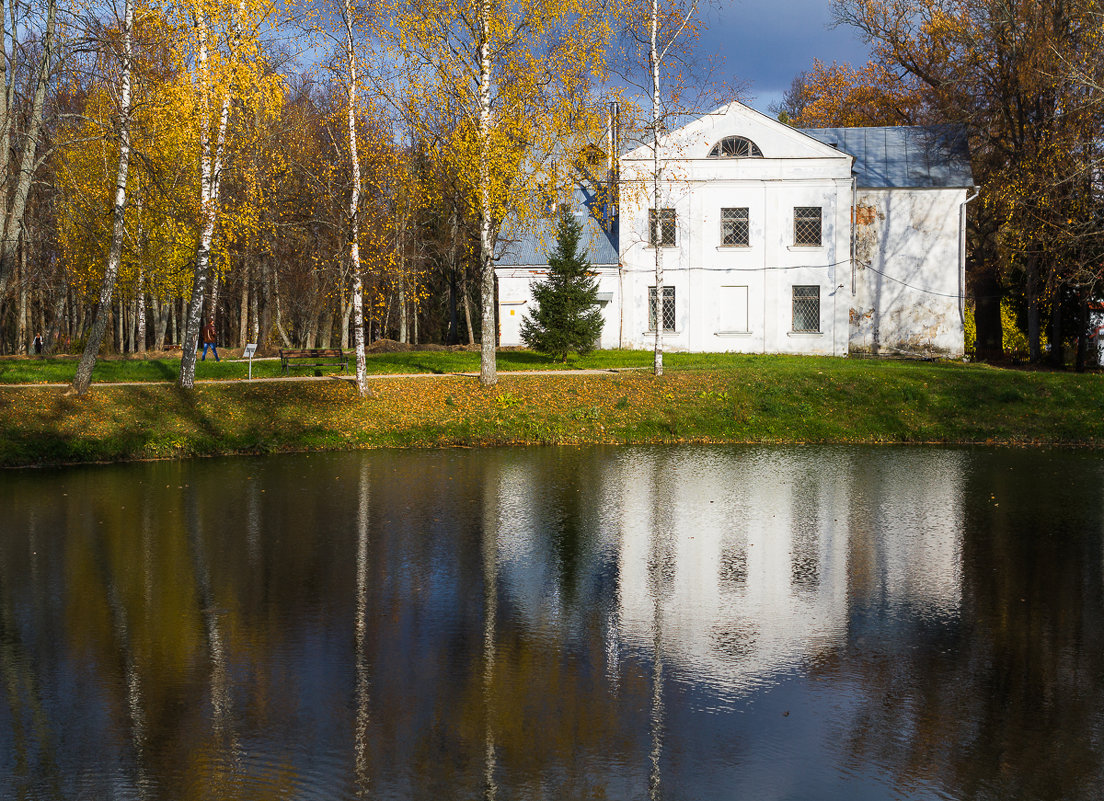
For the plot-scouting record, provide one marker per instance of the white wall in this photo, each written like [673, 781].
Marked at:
[515, 299]
[902, 295]
[699, 267]
[907, 276]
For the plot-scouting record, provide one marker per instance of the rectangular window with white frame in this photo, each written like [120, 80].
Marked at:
[735, 228]
[807, 226]
[732, 313]
[806, 309]
[668, 310]
[661, 228]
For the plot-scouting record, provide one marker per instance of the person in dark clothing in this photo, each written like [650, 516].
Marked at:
[209, 339]
[38, 344]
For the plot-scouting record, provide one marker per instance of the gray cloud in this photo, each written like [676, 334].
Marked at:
[767, 42]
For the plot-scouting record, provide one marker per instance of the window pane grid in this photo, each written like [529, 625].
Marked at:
[668, 308]
[807, 225]
[734, 227]
[661, 227]
[806, 308]
[735, 147]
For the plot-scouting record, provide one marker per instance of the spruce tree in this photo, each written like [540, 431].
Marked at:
[566, 316]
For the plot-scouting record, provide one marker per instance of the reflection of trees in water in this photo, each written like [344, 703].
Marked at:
[1000, 697]
[158, 618]
[1006, 702]
[490, 618]
[544, 711]
[135, 704]
[32, 729]
[361, 692]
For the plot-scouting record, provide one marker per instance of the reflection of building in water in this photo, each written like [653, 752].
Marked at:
[916, 509]
[757, 557]
[749, 559]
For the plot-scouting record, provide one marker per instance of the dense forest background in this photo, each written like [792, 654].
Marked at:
[461, 126]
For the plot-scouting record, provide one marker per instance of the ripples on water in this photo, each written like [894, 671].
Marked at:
[678, 623]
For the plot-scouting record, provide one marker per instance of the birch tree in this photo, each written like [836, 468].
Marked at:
[354, 205]
[83, 377]
[658, 34]
[519, 77]
[223, 37]
[21, 127]
[350, 19]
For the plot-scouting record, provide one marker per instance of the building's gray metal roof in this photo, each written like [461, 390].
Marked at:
[531, 248]
[905, 157]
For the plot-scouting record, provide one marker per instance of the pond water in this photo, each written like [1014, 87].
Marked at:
[607, 623]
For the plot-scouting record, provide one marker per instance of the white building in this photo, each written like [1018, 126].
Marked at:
[761, 249]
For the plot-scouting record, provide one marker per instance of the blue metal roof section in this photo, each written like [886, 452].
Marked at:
[903, 157]
[531, 248]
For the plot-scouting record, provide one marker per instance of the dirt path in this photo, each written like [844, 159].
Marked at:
[349, 378]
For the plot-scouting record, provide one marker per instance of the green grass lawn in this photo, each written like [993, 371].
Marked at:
[60, 369]
[702, 398]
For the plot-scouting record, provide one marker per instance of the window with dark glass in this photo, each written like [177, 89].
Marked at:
[668, 310]
[806, 308]
[734, 227]
[807, 226]
[661, 227]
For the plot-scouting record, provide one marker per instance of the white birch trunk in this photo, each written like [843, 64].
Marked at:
[354, 211]
[13, 218]
[212, 310]
[655, 223]
[488, 372]
[83, 378]
[210, 173]
[141, 313]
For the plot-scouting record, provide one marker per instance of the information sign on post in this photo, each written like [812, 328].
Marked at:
[249, 351]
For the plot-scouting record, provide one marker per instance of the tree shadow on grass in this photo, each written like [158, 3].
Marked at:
[41, 430]
[164, 371]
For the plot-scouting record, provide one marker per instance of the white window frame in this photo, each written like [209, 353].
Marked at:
[669, 305]
[806, 218]
[800, 293]
[734, 218]
[668, 227]
[735, 147]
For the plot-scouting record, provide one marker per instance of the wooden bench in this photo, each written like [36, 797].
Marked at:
[314, 357]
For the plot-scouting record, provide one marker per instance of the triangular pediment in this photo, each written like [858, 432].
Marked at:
[774, 139]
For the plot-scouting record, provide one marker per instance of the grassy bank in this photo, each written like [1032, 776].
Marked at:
[60, 369]
[754, 399]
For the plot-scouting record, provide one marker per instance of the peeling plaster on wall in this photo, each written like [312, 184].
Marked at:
[907, 274]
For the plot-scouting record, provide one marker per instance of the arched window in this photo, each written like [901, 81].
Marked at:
[735, 147]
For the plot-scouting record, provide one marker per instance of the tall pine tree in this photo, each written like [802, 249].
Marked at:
[566, 317]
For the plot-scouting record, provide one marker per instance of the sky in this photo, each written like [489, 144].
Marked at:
[767, 42]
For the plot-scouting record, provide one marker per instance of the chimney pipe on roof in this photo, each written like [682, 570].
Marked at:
[612, 147]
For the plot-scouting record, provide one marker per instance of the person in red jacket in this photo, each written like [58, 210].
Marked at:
[209, 339]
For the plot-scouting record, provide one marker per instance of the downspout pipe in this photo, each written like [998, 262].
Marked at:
[854, 230]
[962, 255]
